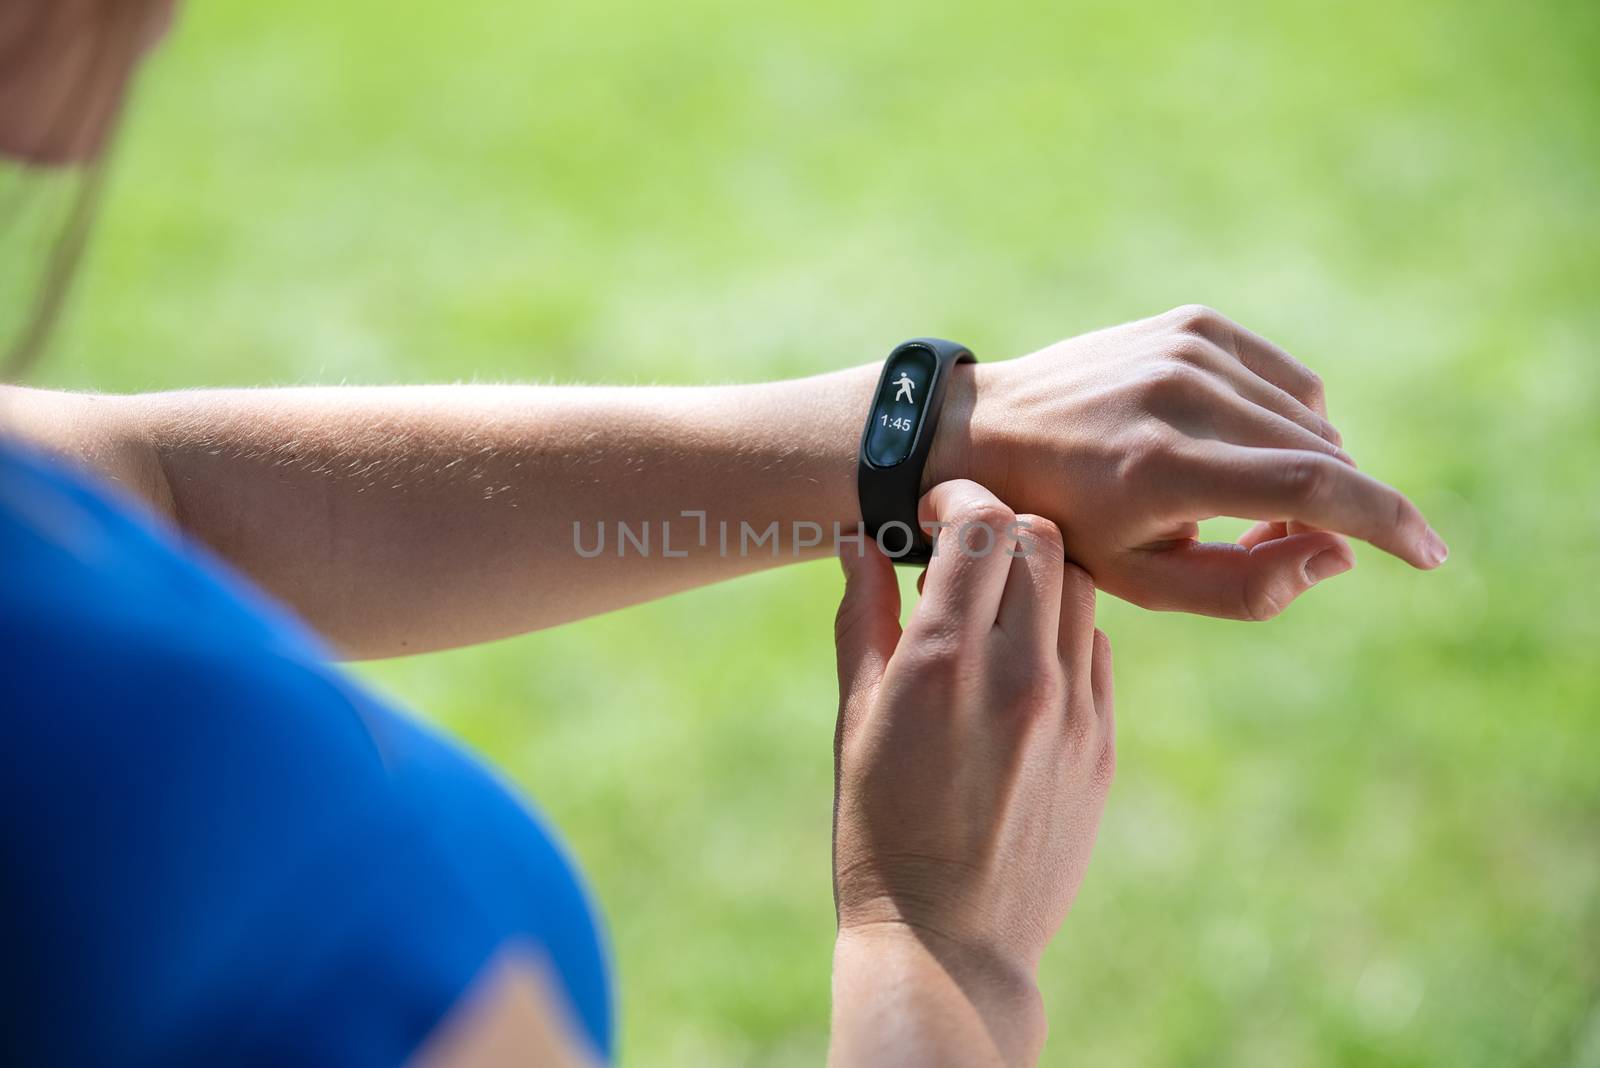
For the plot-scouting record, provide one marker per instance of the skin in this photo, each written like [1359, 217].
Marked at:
[974, 752]
[508, 1016]
[399, 520]
[1127, 437]
[1124, 438]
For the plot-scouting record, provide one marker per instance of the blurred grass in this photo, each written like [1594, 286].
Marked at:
[1368, 833]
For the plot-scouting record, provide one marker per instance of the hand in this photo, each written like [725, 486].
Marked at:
[1128, 436]
[974, 753]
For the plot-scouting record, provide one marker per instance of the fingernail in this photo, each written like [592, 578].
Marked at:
[1434, 550]
[1326, 564]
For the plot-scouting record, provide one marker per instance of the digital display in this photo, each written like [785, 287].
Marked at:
[901, 402]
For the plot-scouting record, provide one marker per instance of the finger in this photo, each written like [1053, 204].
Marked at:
[1100, 678]
[1247, 383]
[1272, 531]
[867, 627]
[1286, 484]
[1239, 419]
[1234, 582]
[1075, 642]
[1030, 606]
[967, 574]
[1265, 359]
[1263, 532]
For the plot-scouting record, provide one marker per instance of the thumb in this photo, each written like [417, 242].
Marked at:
[867, 627]
[1240, 581]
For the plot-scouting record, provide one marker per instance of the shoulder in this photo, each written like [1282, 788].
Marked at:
[219, 827]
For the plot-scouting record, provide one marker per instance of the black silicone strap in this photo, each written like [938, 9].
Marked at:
[889, 493]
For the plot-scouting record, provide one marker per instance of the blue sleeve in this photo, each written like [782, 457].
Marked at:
[217, 850]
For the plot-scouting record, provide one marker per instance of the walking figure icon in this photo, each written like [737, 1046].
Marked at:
[906, 386]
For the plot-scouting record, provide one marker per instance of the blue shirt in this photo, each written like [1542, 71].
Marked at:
[215, 848]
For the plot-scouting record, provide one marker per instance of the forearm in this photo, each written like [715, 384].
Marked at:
[89, 430]
[903, 999]
[402, 519]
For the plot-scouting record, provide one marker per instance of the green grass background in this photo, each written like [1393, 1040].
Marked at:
[1367, 833]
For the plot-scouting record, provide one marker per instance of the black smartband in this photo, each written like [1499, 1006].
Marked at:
[896, 440]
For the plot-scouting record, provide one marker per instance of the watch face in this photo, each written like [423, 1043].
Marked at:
[902, 399]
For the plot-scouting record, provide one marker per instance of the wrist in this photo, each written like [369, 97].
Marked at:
[1002, 991]
[965, 445]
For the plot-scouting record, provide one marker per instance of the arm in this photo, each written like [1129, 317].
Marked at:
[411, 518]
[900, 997]
[974, 753]
[402, 519]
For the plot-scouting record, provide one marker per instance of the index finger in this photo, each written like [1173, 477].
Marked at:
[1311, 488]
[967, 574]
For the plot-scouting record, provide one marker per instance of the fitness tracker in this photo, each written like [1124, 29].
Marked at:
[896, 440]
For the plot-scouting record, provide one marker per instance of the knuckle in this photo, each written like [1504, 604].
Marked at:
[1314, 385]
[1194, 318]
[935, 659]
[1406, 518]
[982, 512]
[937, 640]
[1191, 349]
[1039, 535]
[1148, 452]
[1305, 476]
[1261, 601]
[1171, 380]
